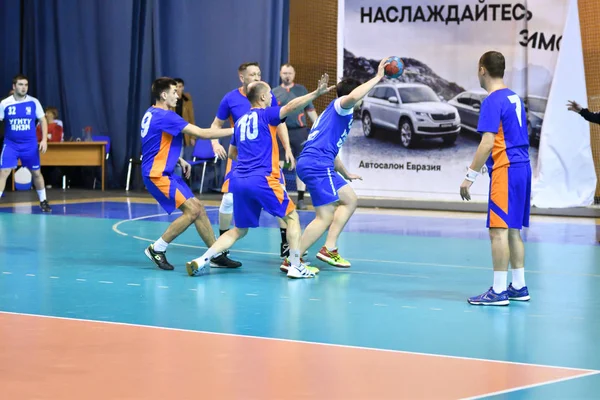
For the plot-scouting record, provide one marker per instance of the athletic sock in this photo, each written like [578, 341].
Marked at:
[283, 232]
[518, 278]
[42, 194]
[500, 281]
[160, 245]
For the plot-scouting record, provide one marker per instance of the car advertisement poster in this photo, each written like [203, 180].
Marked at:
[416, 135]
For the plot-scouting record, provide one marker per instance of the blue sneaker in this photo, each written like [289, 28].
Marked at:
[518, 295]
[490, 298]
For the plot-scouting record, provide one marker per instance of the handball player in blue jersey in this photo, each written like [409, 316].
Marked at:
[162, 138]
[504, 148]
[256, 183]
[319, 167]
[20, 112]
[233, 105]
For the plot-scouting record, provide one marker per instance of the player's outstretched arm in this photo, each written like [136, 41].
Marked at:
[217, 147]
[339, 167]
[210, 133]
[301, 102]
[357, 94]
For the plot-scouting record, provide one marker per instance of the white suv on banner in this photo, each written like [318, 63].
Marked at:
[413, 109]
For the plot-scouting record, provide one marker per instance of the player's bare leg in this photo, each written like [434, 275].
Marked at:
[205, 230]
[199, 266]
[346, 207]
[294, 232]
[500, 260]
[40, 187]
[4, 174]
[317, 227]
[192, 211]
[517, 290]
[225, 218]
[156, 252]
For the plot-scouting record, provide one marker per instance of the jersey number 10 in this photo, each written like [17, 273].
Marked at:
[248, 126]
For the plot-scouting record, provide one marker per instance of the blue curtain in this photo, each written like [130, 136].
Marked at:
[95, 60]
[10, 43]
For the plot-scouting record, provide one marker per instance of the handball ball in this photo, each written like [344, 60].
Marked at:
[395, 68]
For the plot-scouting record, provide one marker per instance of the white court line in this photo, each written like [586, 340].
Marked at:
[235, 335]
[534, 385]
[116, 229]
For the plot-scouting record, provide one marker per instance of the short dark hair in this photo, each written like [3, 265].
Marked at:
[19, 77]
[179, 80]
[256, 90]
[494, 63]
[161, 85]
[286, 65]
[346, 85]
[245, 66]
[53, 110]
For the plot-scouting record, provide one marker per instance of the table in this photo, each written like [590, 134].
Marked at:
[73, 154]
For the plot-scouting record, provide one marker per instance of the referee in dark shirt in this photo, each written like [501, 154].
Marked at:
[296, 123]
[584, 112]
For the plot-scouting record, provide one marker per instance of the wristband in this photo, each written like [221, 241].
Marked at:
[471, 175]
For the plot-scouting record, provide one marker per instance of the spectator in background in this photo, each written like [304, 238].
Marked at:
[55, 126]
[185, 109]
[584, 112]
[295, 122]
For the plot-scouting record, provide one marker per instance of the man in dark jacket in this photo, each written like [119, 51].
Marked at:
[584, 112]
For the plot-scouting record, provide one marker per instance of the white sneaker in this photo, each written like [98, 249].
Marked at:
[301, 272]
[197, 268]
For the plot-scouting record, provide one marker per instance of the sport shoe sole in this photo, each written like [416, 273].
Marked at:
[522, 298]
[193, 269]
[296, 274]
[329, 261]
[491, 303]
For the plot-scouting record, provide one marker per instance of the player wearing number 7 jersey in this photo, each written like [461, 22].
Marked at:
[505, 146]
[255, 184]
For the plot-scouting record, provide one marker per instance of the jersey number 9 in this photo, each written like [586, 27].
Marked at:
[146, 123]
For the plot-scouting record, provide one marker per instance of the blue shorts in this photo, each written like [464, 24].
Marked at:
[252, 194]
[29, 155]
[170, 191]
[510, 197]
[323, 183]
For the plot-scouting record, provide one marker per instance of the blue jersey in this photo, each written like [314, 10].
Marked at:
[20, 117]
[328, 134]
[503, 114]
[256, 141]
[161, 141]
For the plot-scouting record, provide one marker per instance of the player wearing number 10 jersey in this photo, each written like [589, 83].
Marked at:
[504, 148]
[255, 184]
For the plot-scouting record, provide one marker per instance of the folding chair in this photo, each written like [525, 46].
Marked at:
[203, 154]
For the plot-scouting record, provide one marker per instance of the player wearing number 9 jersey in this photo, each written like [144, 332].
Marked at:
[255, 184]
[162, 137]
[504, 148]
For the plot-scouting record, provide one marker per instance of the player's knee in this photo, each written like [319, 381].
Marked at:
[348, 197]
[514, 234]
[291, 217]
[498, 233]
[226, 204]
[325, 213]
[241, 232]
[36, 173]
[195, 210]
